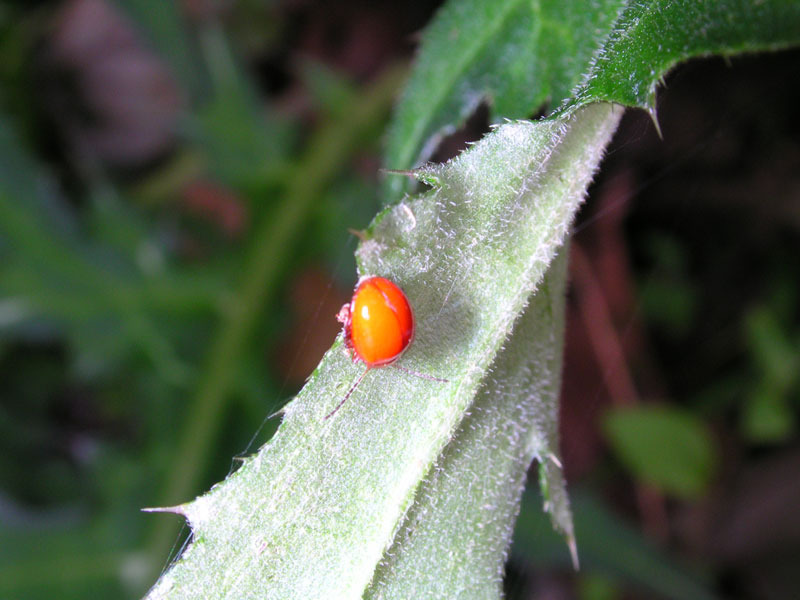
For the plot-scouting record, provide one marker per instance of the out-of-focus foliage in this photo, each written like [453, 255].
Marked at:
[665, 447]
[612, 553]
[768, 414]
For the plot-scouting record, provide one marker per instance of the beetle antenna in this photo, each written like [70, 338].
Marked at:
[347, 395]
[421, 375]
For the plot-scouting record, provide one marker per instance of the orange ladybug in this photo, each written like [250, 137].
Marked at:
[378, 326]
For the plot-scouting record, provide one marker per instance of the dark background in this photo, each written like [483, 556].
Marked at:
[137, 159]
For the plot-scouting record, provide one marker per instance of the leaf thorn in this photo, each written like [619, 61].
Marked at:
[651, 110]
[179, 509]
[555, 460]
[573, 552]
[278, 413]
[406, 172]
[359, 233]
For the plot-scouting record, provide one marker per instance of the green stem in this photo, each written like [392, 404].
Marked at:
[327, 153]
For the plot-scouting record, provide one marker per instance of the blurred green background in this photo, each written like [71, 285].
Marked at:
[177, 181]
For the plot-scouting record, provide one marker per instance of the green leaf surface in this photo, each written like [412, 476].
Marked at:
[522, 56]
[650, 37]
[477, 510]
[665, 446]
[327, 498]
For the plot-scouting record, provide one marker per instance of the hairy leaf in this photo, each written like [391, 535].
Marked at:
[326, 498]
